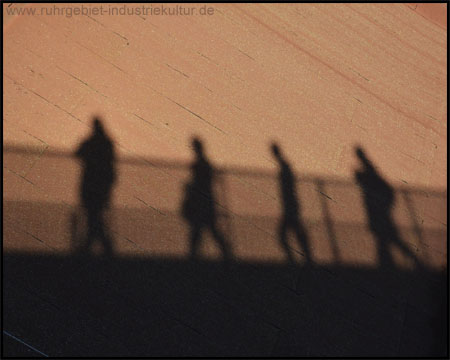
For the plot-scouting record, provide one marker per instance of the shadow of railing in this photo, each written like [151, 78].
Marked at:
[148, 299]
[246, 199]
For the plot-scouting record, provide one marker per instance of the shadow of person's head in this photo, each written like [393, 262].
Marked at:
[276, 151]
[197, 146]
[361, 155]
[359, 152]
[98, 129]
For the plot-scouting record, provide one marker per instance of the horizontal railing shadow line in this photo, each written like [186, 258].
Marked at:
[221, 170]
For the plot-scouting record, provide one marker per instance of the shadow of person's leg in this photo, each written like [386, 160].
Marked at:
[92, 231]
[196, 232]
[282, 235]
[220, 238]
[382, 241]
[397, 241]
[302, 239]
[104, 238]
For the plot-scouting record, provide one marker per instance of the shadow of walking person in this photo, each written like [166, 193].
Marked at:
[198, 206]
[97, 156]
[291, 219]
[379, 198]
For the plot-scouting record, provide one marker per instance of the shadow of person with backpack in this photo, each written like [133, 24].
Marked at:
[379, 198]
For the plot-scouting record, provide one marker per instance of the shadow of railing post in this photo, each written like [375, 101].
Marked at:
[415, 224]
[224, 207]
[328, 221]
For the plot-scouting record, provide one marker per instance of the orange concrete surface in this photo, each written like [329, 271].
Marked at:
[318, 79]
[436, 12]
[238, 79]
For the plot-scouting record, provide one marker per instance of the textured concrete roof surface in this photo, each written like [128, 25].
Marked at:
[319, 80]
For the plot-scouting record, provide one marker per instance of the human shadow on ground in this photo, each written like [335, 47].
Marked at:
[291, 217]
[97, 180]
[379, 198]
[141, 304]
[199, 204]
